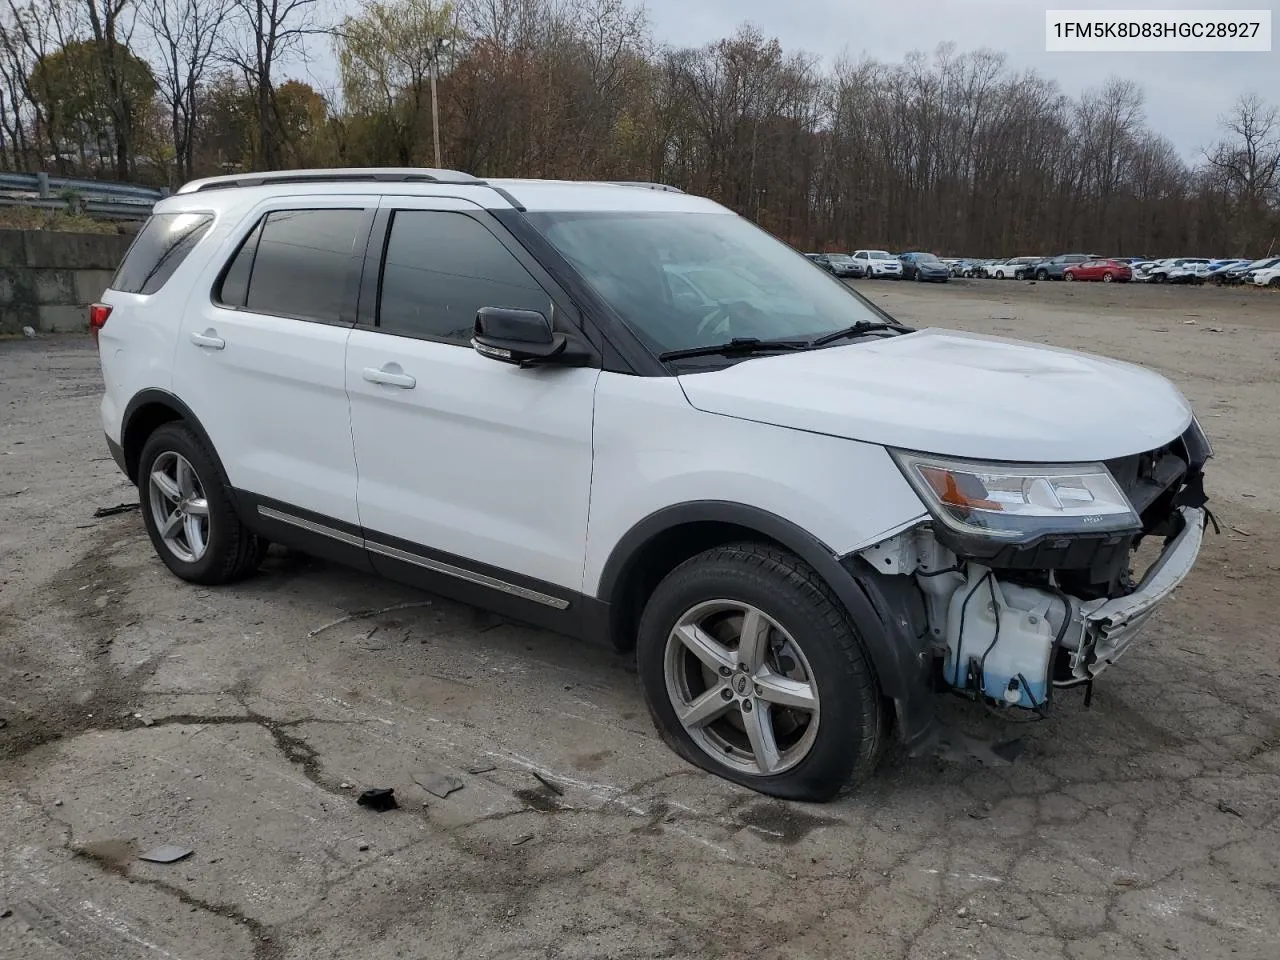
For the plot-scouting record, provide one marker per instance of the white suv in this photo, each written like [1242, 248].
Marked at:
[1266, 277]
[806, 519]
[878, 263]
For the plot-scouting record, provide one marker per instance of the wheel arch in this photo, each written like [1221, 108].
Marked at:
[664, 539]
[149, 410]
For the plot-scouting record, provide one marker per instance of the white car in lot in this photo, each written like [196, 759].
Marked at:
[1268, 277]
[1176, 269]
[878, 263]
[806, 520]
[1014, 268]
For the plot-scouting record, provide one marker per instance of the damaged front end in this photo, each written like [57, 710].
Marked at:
[1027, 571]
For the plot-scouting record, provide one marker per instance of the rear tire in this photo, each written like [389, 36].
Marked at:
[1042, 275]
[1108, 277]
[188, 512]
[805, 643]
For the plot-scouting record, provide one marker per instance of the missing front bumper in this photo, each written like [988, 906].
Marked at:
[1108, 627]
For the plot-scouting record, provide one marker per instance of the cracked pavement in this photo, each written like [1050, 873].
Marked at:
[244, 722]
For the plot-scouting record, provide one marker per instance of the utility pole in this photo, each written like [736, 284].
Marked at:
[435, 110]
[439, 44]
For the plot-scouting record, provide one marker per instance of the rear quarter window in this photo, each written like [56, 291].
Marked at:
[159, 249]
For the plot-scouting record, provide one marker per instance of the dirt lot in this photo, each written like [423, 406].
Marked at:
[243, 723]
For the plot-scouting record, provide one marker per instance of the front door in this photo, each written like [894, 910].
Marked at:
[474, 475]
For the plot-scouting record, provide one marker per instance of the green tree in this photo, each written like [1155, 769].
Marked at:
[83, 108]
[385, 58]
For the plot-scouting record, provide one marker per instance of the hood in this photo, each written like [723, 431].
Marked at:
[957, 394]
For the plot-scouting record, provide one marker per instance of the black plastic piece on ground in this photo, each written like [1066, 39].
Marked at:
[379, 799]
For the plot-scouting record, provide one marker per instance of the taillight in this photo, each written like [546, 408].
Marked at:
[98, 314]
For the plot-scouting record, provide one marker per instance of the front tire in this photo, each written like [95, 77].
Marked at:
[753, 672]
[1108, 277]
[1042, 275]
[188, 513]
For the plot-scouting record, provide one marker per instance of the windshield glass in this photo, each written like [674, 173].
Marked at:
[684, 280]
[839, 258]
[926, 258]
[879, 255]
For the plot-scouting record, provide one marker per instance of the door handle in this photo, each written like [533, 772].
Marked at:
[208, 339]
[390, 378]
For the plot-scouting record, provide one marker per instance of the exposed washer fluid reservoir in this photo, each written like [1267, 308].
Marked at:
[1002, 634]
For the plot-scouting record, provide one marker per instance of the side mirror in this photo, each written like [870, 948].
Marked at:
[521, 337]
[515, 336]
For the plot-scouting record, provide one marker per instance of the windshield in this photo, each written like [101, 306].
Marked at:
[879, 255]
[926, 258]
[839, 258]
[684, 280]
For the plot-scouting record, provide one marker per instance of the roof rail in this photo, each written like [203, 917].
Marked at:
[666, 188]
[336, 175]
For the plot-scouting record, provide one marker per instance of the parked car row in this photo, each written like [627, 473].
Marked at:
[881, 263]
[1070, 267]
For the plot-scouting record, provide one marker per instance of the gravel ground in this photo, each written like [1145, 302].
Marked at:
[244, 722]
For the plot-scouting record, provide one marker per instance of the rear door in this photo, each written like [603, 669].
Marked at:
[261, 357]
[474, 475]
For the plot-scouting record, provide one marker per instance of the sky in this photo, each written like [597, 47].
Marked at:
[1186, 92]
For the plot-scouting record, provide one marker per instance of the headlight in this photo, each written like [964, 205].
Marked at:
[1018, 502]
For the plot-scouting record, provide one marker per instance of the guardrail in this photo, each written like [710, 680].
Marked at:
[106, 199]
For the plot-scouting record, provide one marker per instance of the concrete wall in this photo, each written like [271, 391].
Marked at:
[49, 278]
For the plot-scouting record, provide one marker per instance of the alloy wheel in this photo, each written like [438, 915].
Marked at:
[741, 687]
[179, 507]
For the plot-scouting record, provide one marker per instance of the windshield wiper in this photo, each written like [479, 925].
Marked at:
[859, 328]
[738, 345]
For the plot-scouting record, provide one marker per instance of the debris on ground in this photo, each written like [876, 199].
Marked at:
[549, 784]
[523, 838]
[166, 853]
[378, 799]
[1228, 808]
[1242, 531]
[28, 331]
[438, 784]
[361, 614]
[478, 768]
[112, 511]
[362, 847]
[962, 912]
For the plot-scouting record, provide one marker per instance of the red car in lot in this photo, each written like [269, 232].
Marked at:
[1105, 270]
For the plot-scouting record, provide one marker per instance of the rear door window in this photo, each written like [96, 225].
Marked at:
[303, 262]
[159, 249]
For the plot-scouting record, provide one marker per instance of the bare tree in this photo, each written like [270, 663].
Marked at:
[1248, 161]
[187, 34]
[30, 33]
[269, 33]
